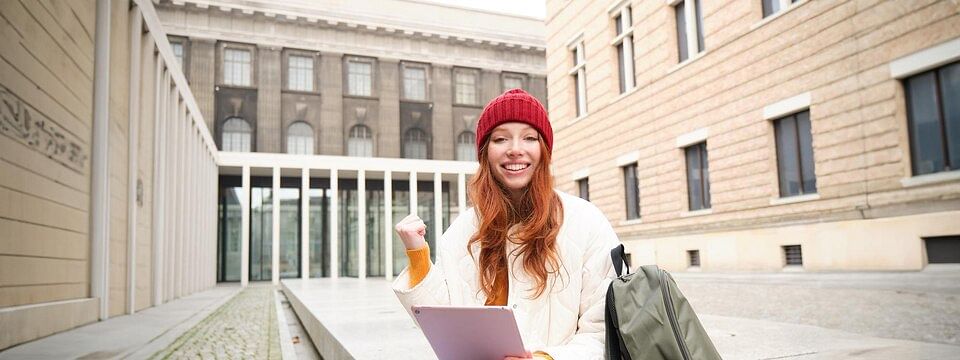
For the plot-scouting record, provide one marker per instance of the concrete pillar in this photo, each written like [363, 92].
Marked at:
[275, 222]
[362, 223]
[159, 170]
[202, 74]
[442, 94]
[388, 223]
[133, 106]
[387, 85]
[245, 227]
[413, 192]
[331, 104]
[334, 225]
[461, 194]
[305, 223]
[437, 209]
[181, 194]
[99, 163]
[268, 99]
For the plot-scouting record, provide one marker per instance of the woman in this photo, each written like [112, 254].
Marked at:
[543, 253]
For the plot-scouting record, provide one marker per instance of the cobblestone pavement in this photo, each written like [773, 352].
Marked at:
[243, 328]
[922, 306]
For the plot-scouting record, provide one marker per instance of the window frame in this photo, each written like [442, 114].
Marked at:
[578, 74]
[369, 139]
[224, 133]
[622, 17]
[522, 78]
[457, 101]
[407, 65]
[251, 71]
[630, 173]
[185, 52]
[942, 122]
[314, 61]
[405, 147]
[795, 117]
[372, 62]
[704, 178]
[312, 143]
[583, 187]
[473, 147]
[692, 24]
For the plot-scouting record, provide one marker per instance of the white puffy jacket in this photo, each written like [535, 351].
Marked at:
[566, 322]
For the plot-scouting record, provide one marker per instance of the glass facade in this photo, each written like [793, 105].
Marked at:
[348, 253]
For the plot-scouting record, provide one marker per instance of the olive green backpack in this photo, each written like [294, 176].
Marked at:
[648, 318]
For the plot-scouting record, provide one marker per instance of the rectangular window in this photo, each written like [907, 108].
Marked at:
[177, 51]
[359, 77]
[512, 82]
[771, 7]
[698, 177]
[933, 114]
[624, 44]
[631, 191]
[689, 20]
[415, 83]
[792, 255]
[694, 257]
[578, 72]
[584, 186]
[300, 73]
[236, 67]
[795, 155]
[465, 86]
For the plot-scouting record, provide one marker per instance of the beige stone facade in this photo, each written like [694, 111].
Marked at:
[389, 35]
[56, 270]
[838, 60]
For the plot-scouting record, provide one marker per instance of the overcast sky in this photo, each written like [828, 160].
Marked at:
[533, 8]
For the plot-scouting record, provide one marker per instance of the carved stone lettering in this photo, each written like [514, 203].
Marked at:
[23, 123]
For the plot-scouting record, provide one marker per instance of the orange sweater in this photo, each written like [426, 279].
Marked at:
[420, 266]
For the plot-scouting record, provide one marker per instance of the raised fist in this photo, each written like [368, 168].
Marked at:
[412, 231]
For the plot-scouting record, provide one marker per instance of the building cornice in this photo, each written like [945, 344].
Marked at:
[365, 23]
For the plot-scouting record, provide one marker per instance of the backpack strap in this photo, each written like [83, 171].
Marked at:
[618, 254]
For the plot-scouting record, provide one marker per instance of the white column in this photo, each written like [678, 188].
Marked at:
[171, 192]
[461, 194]
[334, 226]
[413, 192]
[181, 196]
[99, 161]
[245, 228]
[305, 223]
[362, 223]
[275, 222]
[388, 223]
[437, 207]
[133, 128]
[159, 170]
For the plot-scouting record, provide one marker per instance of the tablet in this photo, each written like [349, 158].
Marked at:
[470, 333]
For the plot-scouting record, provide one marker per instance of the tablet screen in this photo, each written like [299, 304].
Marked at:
[477, 332]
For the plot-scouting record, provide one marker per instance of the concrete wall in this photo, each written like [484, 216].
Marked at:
[839, 52]
[47, 280]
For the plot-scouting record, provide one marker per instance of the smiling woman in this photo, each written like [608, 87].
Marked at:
[543, 253]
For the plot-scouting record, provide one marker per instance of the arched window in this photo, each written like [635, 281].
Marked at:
[466, 148]
[300, 138]
[236, 135]
[360, 142]
[415, 144]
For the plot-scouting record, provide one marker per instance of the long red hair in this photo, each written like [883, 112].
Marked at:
[539, 215]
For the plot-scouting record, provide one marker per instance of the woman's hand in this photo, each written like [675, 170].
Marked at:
[412, 231]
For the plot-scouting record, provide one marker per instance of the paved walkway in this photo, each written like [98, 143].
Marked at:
[921, 306]
[135, 336]
[243, 328]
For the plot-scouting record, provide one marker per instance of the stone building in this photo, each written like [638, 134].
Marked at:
[763, 134]
[385, 78]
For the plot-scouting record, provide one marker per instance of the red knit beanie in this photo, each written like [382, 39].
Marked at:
[514, 105]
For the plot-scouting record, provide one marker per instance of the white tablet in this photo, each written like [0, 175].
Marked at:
[470, 333]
